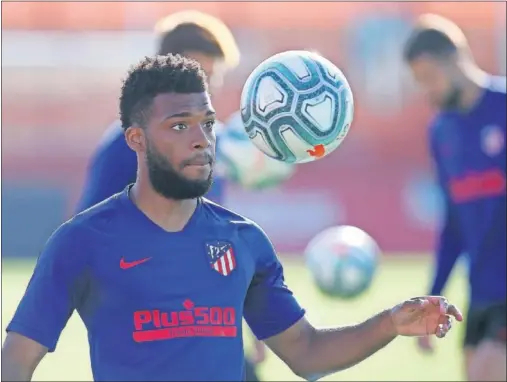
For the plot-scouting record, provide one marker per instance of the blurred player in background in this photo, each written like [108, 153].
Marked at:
[467, 142]
[113, 166]
[162, 277]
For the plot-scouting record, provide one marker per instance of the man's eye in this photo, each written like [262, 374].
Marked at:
[179, 126]
[209, 125]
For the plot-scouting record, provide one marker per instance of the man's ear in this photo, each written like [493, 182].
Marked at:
[136, 139]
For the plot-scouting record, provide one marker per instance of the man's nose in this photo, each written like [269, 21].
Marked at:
[201, 139]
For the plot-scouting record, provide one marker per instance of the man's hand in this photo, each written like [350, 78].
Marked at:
[423, 316]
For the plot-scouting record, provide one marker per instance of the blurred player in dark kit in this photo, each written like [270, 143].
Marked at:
[161, 277]
[467, 143]
[205, 39]
[196, 35]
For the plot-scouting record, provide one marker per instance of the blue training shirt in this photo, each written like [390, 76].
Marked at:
[158, 306]
[113, 166]
[469, 153]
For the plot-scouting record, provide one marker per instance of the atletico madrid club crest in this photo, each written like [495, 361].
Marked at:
[221, 256]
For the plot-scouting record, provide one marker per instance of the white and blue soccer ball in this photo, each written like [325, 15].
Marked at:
[243, 163]
[343, 261]
[297, 106]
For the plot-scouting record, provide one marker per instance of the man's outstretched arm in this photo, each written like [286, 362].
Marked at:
[313, 353]
[275, 317]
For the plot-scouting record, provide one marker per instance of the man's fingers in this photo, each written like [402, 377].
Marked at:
[455, 312]
[441, 332]
[440, 302]
[445, 324]
[435, 300]
[445, 307]
[417, 302]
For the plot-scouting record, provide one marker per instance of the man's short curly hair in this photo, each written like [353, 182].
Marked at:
[157, 75]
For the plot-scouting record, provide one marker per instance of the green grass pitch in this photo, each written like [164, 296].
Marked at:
[397, 279]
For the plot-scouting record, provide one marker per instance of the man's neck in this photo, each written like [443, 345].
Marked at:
[474, 86]
[171, 215]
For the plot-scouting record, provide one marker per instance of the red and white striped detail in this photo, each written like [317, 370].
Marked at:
[225, 264]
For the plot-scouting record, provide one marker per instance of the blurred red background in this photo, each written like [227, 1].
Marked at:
[62, 67]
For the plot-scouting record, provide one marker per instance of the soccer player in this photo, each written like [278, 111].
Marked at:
[161, 276]
[113, 165]
[467, 142]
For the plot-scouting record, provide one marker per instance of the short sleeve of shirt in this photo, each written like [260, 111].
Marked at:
[54, 289]
[270, 307]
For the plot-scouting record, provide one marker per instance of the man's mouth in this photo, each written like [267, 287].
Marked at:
[200, 162]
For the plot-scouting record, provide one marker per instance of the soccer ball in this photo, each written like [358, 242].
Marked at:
[242, 162]
[297, 107]
[342, 261]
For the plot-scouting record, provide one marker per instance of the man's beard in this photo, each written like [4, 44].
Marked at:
[168, 182]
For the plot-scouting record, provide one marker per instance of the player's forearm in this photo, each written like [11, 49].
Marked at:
[332, 350]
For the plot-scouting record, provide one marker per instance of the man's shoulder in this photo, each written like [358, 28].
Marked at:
[223, 214]
[438, 122]
[97, 218]
[232, 220]
[112, 133]
[441, 126]
[493, 98]
[113, 139]
[498, 86]
[78, 237]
